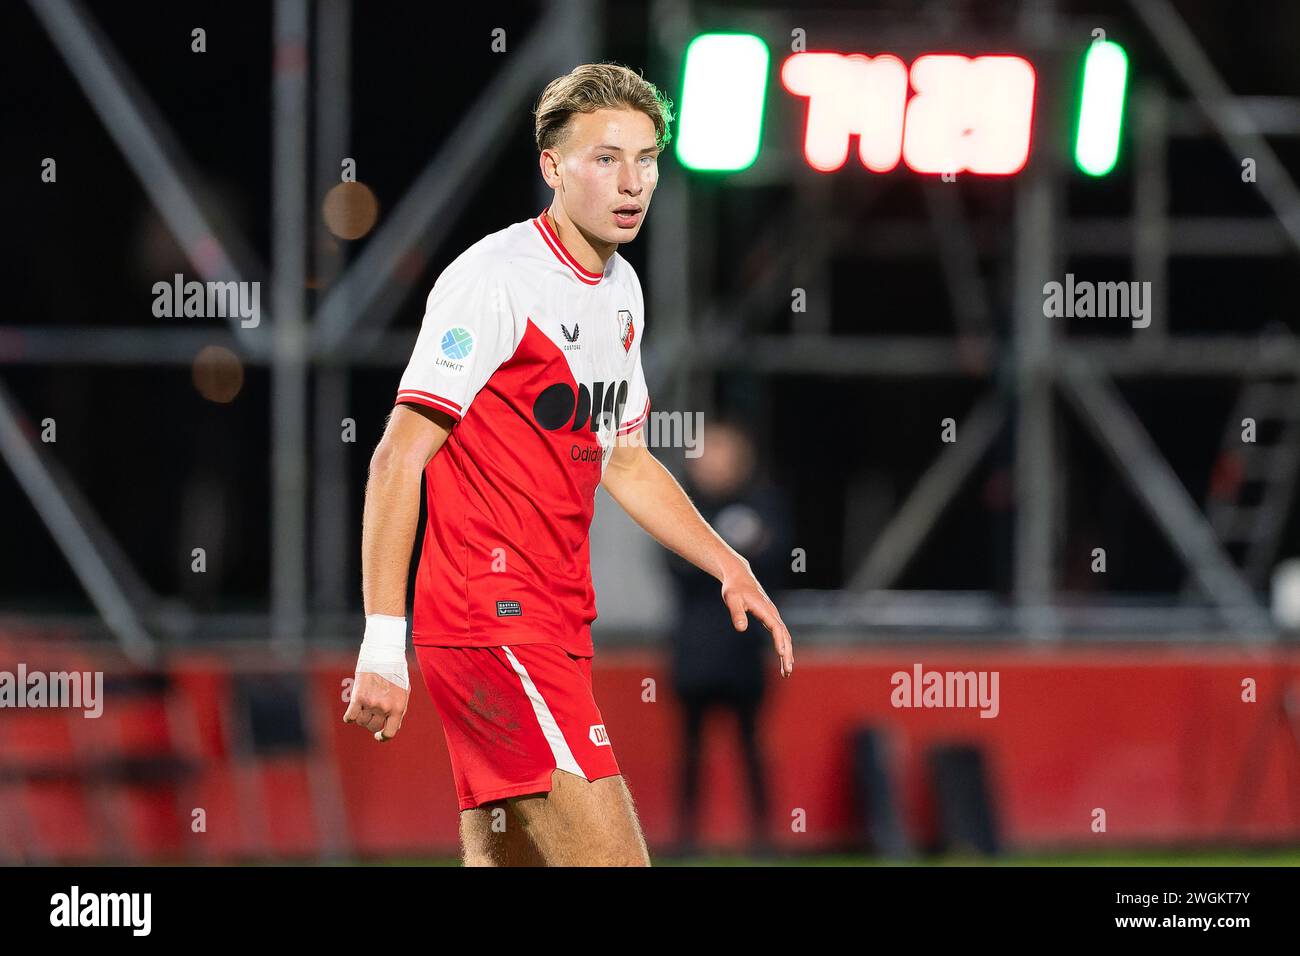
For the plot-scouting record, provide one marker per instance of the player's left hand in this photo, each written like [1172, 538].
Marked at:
[743, 595]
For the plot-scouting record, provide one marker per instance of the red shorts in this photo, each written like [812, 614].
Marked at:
[513, 716]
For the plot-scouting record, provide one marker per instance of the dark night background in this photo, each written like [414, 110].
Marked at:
[139, 440]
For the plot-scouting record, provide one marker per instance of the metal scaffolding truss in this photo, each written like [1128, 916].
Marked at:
[1044, 362]
[291, 342]
[695, 336]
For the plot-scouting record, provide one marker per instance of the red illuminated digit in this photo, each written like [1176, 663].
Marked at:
[1001, 111]
[969, 114]
[847, 95]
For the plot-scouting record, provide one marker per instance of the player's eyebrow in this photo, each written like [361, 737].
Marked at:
[618, 149]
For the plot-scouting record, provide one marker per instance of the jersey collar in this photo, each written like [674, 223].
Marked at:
[553, 241]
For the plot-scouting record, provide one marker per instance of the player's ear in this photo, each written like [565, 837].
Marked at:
[551, 168]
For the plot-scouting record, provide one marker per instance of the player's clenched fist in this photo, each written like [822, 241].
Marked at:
[382, 686]
[377, 705]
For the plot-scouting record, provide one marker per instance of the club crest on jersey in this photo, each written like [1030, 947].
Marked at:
[457, 342]
[626, 332]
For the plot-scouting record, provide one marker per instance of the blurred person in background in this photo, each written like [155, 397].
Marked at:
[713, 666]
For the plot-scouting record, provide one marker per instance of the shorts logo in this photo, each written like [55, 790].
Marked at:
[598, 735]
[625, 330]
[509, 609]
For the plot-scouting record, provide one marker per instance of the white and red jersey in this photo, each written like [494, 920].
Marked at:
[539, 362]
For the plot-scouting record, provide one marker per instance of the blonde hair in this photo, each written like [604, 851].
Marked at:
[595, 86]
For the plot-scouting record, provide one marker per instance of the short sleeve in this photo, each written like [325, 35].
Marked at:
[466, 335]
[637, 409]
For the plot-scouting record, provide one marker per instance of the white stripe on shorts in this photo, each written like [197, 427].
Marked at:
[550, 729]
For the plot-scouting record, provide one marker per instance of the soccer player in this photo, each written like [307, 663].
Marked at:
[523, 393]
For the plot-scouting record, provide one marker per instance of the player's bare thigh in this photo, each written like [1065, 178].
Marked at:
[492, 835]
[583, 823]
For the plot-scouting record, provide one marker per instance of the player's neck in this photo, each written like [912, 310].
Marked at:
[591, 254]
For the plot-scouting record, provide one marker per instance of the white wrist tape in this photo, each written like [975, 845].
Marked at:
[383, 650]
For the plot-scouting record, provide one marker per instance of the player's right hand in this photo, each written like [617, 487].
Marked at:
[377, 705]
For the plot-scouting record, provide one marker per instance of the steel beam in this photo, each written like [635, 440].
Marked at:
[1035, 446]
[1157, 487]
[897, 544]
[289, 366]
[85, 546]
[427, 212]
[1226, 114]
[332, 516]
[151, 151]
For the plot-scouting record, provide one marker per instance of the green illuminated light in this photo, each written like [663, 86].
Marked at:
[1101, 108]
[723, 90]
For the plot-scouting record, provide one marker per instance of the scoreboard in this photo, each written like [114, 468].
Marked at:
[944, 113]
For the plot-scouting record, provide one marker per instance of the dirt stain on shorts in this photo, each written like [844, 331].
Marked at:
[488, 715]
